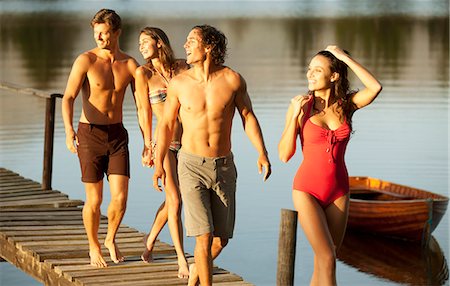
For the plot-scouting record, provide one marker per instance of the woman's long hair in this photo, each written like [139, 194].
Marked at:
[340, 88]
[166, 54]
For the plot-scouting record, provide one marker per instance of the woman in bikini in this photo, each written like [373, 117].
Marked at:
[322, 120]
[152, 80]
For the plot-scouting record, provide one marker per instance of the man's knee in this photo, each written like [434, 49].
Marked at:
[220, 242]
[204, 240]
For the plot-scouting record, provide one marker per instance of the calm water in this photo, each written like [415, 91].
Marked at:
[402, 137]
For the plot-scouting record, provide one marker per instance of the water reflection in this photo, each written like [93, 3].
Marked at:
[47, 43]
[396, 260]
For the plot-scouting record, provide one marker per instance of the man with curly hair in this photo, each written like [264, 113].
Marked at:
[206, 97]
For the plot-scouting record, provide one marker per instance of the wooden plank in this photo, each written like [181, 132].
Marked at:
[82, 264]
[18, 188]
[59, 212]
[42, 218]
[43, 223]
[75, 242]
[130, 247]
[44, 204]
[39, 209]
[9, 174]
[62, 237]
[24, 182]
[58, 227]
[29, 197]
[63, 232]
[24, 193]
[79, 254]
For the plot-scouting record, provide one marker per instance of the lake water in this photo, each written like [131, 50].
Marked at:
[402, 137]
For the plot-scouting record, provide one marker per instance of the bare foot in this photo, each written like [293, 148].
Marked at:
[147, 254]
[114, 252]
[193, 276]
[97, 259]
[183, 270]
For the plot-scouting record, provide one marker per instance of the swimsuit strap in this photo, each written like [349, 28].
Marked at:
[161, 75]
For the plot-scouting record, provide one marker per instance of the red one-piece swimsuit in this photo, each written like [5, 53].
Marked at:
[322, 172]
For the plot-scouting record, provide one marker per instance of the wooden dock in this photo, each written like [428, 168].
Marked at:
[42, 233]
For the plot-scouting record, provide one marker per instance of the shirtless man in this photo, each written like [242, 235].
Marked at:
[101, 140]
[206, 97]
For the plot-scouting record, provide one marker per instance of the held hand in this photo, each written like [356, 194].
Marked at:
[147, 157]
[70, 138]
[159, 173]
[263, 161]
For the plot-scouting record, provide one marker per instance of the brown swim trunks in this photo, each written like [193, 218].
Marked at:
[102, 149]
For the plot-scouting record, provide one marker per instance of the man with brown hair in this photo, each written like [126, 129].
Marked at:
[101, 141]
[206, 98]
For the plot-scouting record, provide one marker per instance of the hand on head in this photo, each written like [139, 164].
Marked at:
[336, 51]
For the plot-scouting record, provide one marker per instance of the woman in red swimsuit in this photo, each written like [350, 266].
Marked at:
[322, 120]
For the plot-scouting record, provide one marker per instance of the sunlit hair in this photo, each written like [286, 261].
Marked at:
[216, 40]
[341, 87]
[107, 16]
[165, 53]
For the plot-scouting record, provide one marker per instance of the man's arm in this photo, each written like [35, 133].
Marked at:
[252, 127]
[165, 131]
[74, 83]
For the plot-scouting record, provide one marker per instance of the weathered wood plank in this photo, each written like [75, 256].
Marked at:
[58, 227]
[18, 194]
[20, 213]
[17, 188]
[65, 237]
[39, 209]
[44, 204]
[32, 197]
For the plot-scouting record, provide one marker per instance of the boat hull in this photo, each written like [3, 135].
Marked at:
[394, 210]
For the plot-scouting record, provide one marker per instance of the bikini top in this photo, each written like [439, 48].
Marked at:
[313, 135]
[160, 94]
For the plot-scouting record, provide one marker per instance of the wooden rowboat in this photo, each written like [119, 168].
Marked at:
[394, 210]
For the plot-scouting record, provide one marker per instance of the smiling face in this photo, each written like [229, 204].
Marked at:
[319, 74]
[104, 36]
[148, 47]
[195, 50]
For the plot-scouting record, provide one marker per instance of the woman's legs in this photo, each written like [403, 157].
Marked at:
[337, 214]
[314, 221]
[173, 202]
[150, 238]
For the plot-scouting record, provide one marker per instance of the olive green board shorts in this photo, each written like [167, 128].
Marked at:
[208, 190]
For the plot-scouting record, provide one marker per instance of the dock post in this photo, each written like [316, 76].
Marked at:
[286, 248]
[48, 141]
